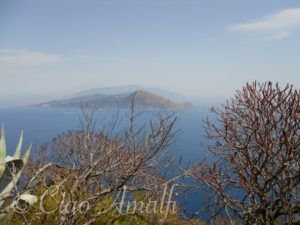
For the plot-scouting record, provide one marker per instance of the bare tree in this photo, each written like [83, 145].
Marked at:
[96, 162]
[256, 148]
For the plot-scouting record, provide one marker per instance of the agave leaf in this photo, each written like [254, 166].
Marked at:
[9, 158]
[2, 151]
[2, 168]
[9, 179]
[19, 147]
[26, 155]
[30, 199]
[2, 145]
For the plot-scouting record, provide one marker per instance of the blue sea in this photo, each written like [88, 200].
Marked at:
[41, 125]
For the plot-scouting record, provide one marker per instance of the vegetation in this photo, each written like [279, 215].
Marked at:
[256, 175]
[95, 175]
[10, 171]
[91, 167]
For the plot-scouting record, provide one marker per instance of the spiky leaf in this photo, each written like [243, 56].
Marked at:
[26, 155]
[19, 147]
[2, 151]
[10, 177]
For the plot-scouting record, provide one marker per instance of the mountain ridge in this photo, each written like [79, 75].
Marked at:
[129, 89]
[143, 100]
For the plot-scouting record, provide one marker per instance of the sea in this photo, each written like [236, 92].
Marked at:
[42, 125]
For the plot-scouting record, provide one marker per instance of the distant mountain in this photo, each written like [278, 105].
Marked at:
[129, 89]
[144, 100]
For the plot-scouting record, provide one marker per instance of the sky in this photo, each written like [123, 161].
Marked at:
[202, 49]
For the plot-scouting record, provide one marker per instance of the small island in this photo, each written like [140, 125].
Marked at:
[144, 100]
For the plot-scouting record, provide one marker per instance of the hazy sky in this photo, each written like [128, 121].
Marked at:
[207, 49]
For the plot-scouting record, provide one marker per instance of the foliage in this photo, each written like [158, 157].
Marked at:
[10, 171]
[256, 175]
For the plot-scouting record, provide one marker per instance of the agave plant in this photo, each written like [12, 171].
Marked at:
[10, 171]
